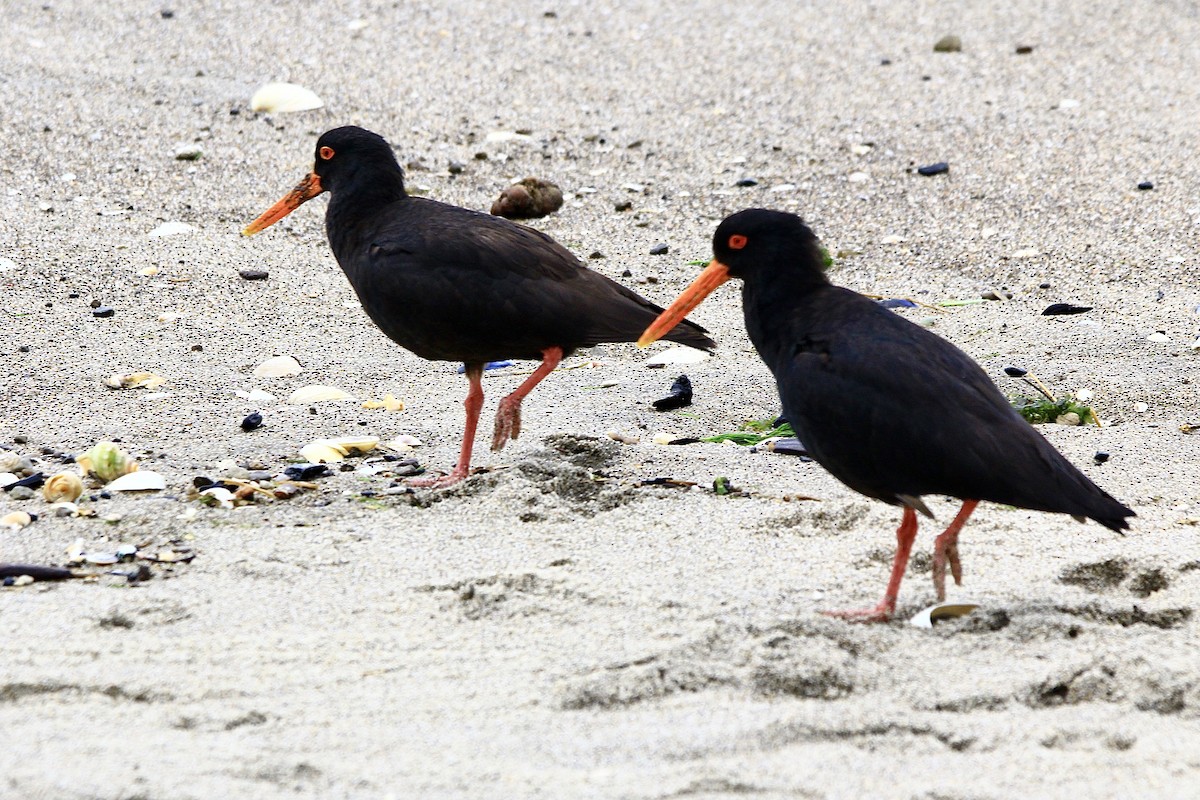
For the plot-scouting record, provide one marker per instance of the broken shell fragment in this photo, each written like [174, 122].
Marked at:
[171, 229]
[284, 98]
[140, 481]
[676, 355]
[9, 462]
[278, 367]
[316, 393]
[65, 486]
[403, 443]
[217, 497]
[107, 462]
[322, 452]
[134, 380]
[941, 611]
[16, 520]
[388, 403]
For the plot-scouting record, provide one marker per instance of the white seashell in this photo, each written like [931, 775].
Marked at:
[1028, 252]
[860, 149]
[141, 481]
[892, 238]
[322, 451]
[8, 265]
[354, 444]
[497, 137]
[15, 521]
[1158, 336]
[8, 479]
[278, 367]
[927, 616]
[1141, 408]
[75, 552]
[22, 580]
[218, 496]
[677, 355]
[134, 380]
[256, 396]
[1083, 395]
[102, 559]
[858, 177]
[148, 272]
[171, 229]
[662, 437]
[284, 98]
[9, 461]
[316, 393]
[783, 187]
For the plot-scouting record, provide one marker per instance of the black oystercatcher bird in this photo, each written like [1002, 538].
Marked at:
[890, 409]
[451, 284]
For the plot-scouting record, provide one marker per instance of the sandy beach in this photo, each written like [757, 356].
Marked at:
[554, 626]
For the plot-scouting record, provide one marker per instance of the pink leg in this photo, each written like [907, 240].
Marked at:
[472, 404]
[905, 535]
[508, 415]
[945, 548]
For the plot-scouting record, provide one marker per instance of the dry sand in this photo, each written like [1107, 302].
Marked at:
[536, 632]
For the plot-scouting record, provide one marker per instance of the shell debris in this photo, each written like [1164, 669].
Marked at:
[107, 462]
[16, 520]
[317, 393]
[65, 486]
[134, 380]
[284, 98]
[278, 367]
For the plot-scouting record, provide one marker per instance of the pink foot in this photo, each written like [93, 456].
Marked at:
[880, 613]
[508, 422]
[438, 482]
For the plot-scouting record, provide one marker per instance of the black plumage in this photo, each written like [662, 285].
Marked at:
[887, 407]
[452, 284]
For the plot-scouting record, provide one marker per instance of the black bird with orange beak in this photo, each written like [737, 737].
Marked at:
[451, 284]
[890, 409]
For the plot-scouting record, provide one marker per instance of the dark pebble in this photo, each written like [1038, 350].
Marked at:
[202, 482]
[106, 495]
[306, 472]
[686, 440]
[252, 422]
[10, 581]
[934, 169]
[481, 156]
[659, 249]
[34, 481]
[597, 254]
[456, 167]
[1057, 309]
[1146, 186]
[197, 348]
[254, 274]
[1024, 49]
[103, 311]
[897, 302]
[1043, 285]
[790, 446]
[680, 396]
[167, 13]
[1100, 457]
[885, 62]
[23, 348]
[1015, 372]
[94, 304]
[624, 205]
[747, 182]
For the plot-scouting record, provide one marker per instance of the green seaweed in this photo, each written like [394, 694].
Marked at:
[752, 432]
[1043, 410]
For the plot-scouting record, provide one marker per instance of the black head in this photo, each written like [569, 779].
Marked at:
[760, 239]
[349, 154]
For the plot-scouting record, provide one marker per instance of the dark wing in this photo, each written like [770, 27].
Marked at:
[892, 409]
[454, 284]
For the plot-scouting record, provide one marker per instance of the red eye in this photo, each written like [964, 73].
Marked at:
[325, 153]
[737, 241]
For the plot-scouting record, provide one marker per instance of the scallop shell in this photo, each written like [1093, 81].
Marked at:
[278, 367]
[284, 98]
[16, 520]
[9, 461]
[141, 481]
[677, 355]
[316, 393]
[65, 486]
[322, 451]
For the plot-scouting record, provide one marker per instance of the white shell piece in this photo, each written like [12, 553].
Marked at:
[927, 616]
[141, 481]
[677, 355]
[284, 98]
[278, 367]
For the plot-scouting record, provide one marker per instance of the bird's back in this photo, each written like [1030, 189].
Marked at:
[453, 284]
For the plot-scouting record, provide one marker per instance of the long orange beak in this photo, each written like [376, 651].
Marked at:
[713, 276]
[305, 190]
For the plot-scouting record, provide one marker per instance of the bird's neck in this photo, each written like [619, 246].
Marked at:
[363, 195]
[778, 310]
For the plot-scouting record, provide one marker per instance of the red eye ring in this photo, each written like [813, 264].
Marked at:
[325, 153]
[737, 241]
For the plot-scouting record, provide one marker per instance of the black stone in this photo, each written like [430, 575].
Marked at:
[1015, 372]
[659, 249]
[254, 274]
[1058, 309]
[1146, 186]
[747, 182]
[252, 422]
[306, 472]
[934, 169]
[1100, 457]
[681, 395]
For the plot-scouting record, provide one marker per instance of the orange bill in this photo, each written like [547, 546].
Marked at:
[713, 276]
[305, 190]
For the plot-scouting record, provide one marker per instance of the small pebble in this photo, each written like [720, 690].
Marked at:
[1024, 49]
[1100, 457]
[252, 422]
[659, 249]
[254, 274]
[1015, 372]
[747, 182]
[17, 492]
[167, 13]
[948, 44]
[1146, 186]
[103, 312]
[188, 152]
[897, 302]
[934, 169]
[596, 254]
[456, 167]
[623, 205]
